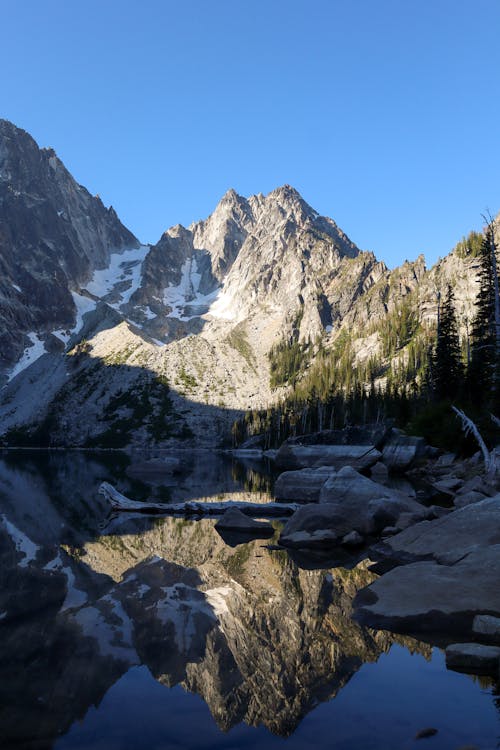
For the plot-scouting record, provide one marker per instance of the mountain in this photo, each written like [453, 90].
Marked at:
[109, 342]
[53, 235]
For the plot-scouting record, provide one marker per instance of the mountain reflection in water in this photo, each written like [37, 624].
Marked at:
[92, 609]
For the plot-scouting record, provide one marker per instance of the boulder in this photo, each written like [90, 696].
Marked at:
[302, 485]
[316, 526]
[234, 520]
[473, 657]
[449, 484]
[453, 536]
[468, 498]
[348, 502]
[455, 578]
[295, 456]
[401, 451]
[430, 597]
[349, 484]
[487, 628]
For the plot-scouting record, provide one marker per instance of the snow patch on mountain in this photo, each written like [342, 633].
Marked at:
[224, 306]
[31, 353]
[123, 267]
[23, 543]
[184, 299]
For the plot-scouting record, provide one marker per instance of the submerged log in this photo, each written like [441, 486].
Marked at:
[122, 503]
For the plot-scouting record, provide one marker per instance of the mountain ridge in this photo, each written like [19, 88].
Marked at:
[200, 310]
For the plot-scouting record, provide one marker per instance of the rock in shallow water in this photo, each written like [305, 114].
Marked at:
[473, 657]
[487, 627]
[304, 484]
[348, 502]
[234, 520]
[429, 597]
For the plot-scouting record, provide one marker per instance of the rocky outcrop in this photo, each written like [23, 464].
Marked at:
[401, 451]
[454, 580]
[348, 502]
[303, 485]
[53, 234]
[294, 456]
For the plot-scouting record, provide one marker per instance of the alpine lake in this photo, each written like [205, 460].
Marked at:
[120, 632]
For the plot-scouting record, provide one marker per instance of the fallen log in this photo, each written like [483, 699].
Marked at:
[121, 503]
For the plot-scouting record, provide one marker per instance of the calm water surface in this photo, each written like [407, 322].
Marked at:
[124, 633]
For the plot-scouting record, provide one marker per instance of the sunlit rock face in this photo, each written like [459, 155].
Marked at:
[53, 234]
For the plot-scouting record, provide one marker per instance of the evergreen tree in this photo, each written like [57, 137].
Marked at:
[448, 371]
[484, 365]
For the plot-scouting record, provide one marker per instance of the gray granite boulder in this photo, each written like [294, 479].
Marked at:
[401, 451]
[348, 484]
[429, 597]
[487, 628]
[348, 502]
[234, 520]
[304, 484]
[453, 536]
[295, 456]
[454, 577]
[473, 657]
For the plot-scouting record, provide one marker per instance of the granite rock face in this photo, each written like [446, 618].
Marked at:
[53, 234]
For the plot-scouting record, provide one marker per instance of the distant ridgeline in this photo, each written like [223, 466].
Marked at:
[417, 369]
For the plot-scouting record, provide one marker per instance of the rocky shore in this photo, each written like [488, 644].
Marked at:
[434, 541]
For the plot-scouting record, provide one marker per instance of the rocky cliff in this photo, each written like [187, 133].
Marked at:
[53, 234]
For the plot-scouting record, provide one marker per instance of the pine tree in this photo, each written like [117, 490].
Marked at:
[484, 357]
[448, 371]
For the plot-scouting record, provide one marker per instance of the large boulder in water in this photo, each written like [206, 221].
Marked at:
[455, 576]
[296, 456]
[348, 502]
[234, 520]
[303, 484]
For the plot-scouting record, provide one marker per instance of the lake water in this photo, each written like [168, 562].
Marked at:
[125, 633]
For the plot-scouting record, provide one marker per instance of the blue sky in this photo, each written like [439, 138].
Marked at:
[384, 114]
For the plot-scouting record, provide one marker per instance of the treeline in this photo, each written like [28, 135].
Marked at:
[412, 381]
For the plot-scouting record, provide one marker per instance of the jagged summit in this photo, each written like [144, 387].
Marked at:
[53, 235]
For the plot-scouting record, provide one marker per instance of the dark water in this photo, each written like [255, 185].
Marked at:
[157, 633]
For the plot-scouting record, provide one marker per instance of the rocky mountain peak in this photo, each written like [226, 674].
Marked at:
[53, 235]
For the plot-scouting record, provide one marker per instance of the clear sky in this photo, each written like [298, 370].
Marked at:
[384, 114]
